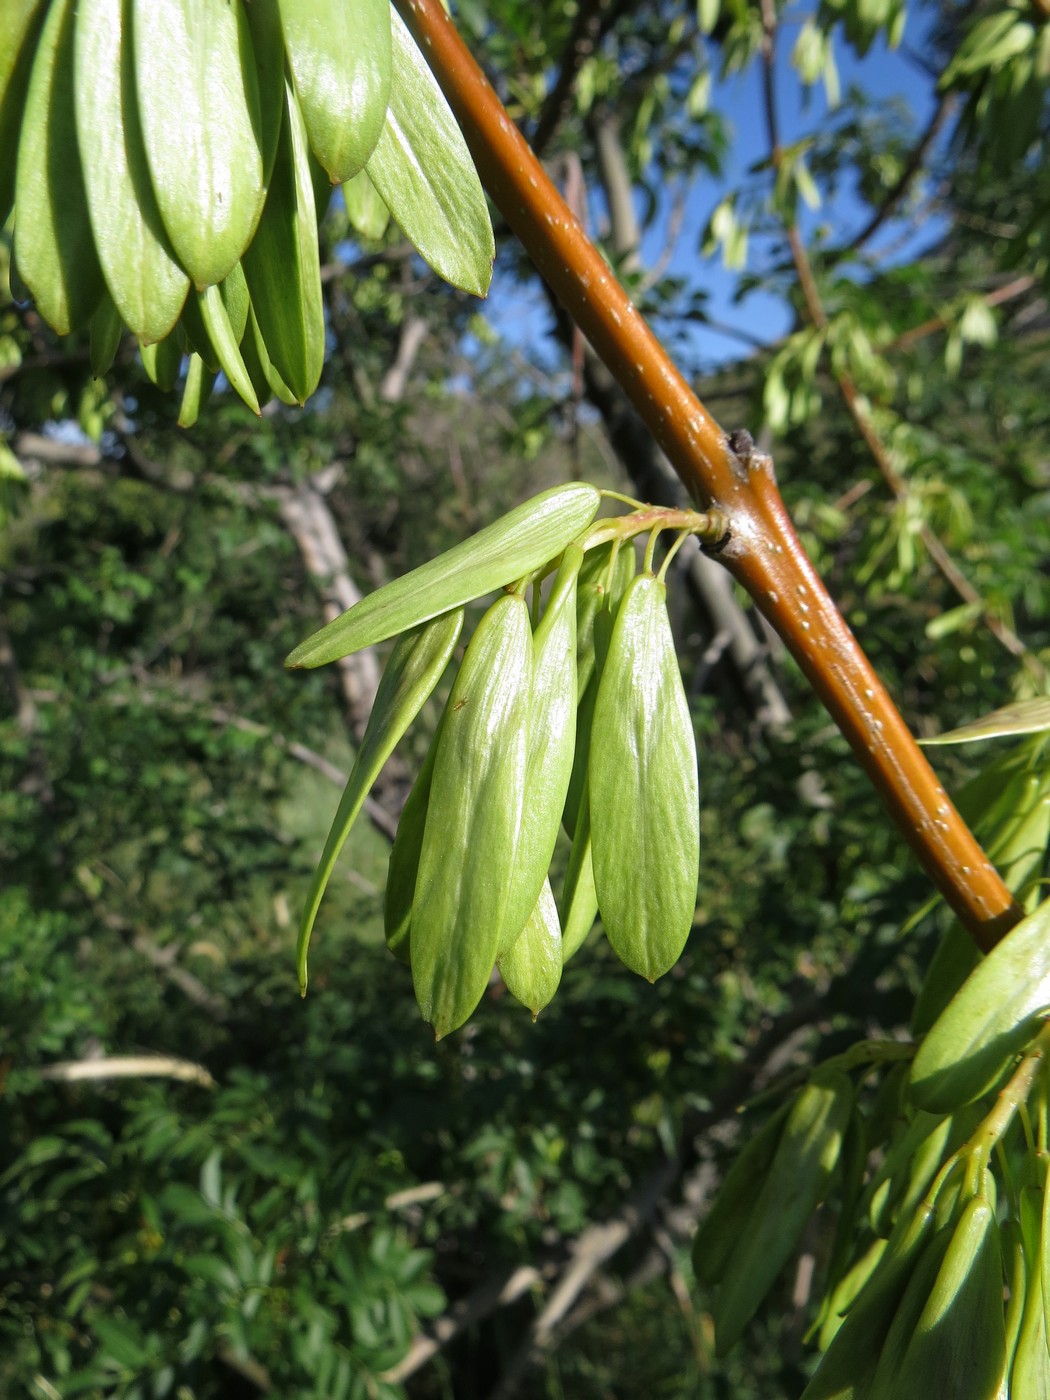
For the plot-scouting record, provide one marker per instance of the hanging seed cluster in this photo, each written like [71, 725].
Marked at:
[931, 1163]
[174, 159]
[567, 710]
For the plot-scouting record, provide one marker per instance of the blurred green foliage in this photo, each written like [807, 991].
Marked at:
[293, 1224]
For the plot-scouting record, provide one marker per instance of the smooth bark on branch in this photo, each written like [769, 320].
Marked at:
[764, 552]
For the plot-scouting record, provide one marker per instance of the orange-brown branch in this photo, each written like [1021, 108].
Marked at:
[764, 553]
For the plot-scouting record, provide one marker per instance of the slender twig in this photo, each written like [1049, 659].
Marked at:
[900, 187]
[593, 18]
[908, 338]
[764, 554]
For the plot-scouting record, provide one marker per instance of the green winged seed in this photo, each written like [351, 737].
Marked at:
[847, 1367]
[264, 21]
[257, 358]
[954, 958]
[340, 59]
[531, 968]
[604, 577]
[854, 1164]
[644, 791]
[106, 328]
[1022, 717]
[140, 267]
[847, 1290]
[913, 1299]
[1018, 1294]
[257, 372]
[989, 1021]
[1030, 1373]
[797, 1180]
[196, 321]
[365, 209]
[425, 176]
[404, 859]
[890, 1176]
[225, 342]
[162, 361]
[552, 741]
[1008, 806]
[198, 102]
[20, 22]
[196, 391]
[913, 1161]
[579, 901]
[718, 1236]
[53, 244]
[958, 1348]
[515, 545]
[1026, 1341]
[414, 668]
[473, 819]
[282, 264]
[599, 623]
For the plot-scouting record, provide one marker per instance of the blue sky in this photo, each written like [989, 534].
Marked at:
[520, 314]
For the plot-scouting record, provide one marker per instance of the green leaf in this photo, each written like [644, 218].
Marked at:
[473, 818]
[707, 12]
[425, 176]
[340, 59]
[945, 623]
[140, 267]
[122, 1340]
[1024, 717]
[515, 545]
[992, 41]
[806, 186]
[416, 664]
[198, 103]
[53, 243]
[644, 791]
[282, 266]
[989, 1021]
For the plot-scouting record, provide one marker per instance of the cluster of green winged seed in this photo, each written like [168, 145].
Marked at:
[565, 711]
[174, 159]
[929, 1160]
